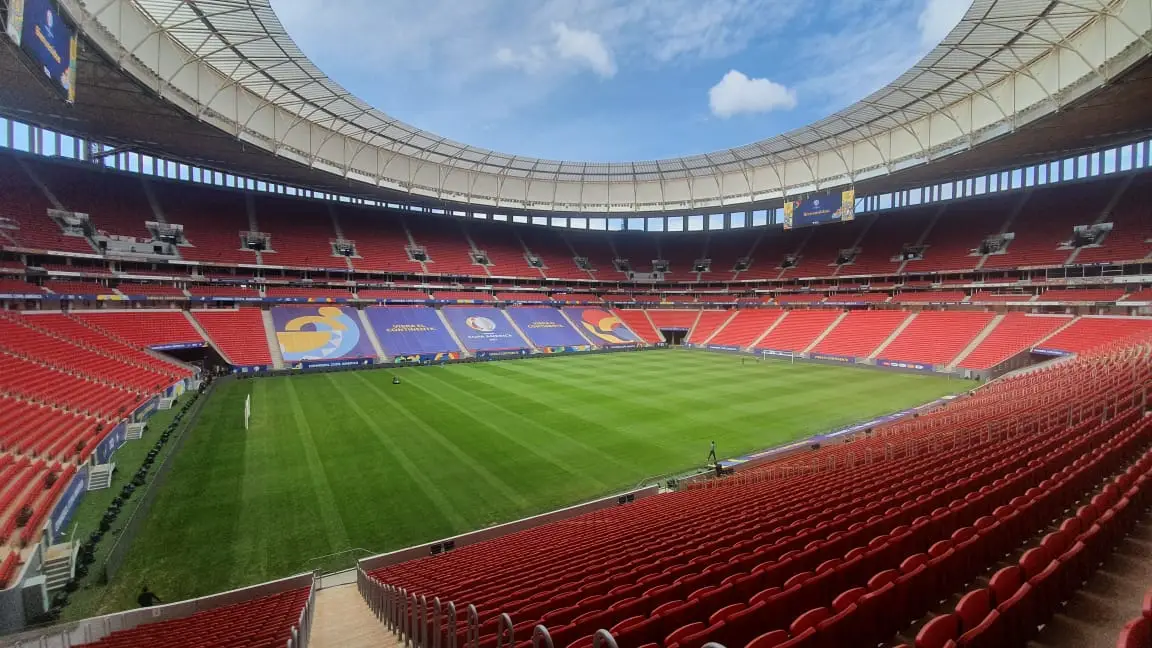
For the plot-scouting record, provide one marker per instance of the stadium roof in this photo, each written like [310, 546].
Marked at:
[1009, 63]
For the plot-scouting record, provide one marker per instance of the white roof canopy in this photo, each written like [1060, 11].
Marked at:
[1008, 62]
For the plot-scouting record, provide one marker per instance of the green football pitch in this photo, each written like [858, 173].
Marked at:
[346, 461]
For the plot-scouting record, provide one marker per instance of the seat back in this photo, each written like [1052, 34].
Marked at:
[769, 639]
[938, 632]
[809, 619]
[1004, 583]
[973, 607]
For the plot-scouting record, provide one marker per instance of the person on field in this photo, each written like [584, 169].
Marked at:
[147, 598]
[712, 453]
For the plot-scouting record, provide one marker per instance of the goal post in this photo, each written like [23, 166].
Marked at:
[767, 354]
[247, 410]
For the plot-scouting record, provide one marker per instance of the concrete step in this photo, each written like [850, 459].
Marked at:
[273, 341]
[100, 477]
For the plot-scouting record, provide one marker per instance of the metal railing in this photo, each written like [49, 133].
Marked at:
[418, 624]
[303, 628]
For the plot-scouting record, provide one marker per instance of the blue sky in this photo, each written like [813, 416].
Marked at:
[613, 80]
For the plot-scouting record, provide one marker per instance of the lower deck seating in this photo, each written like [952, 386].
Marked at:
[239, 334]
[746, 327]
[260, 623]
[1088, 333]
[146, 328]
[710, 321]
[936, 337]
[638, 321]
[1017, 332]
[798, 329]
[860, 333]
[870, 536]
[674, 319]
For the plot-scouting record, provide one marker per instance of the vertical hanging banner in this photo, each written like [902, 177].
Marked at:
[821, 209]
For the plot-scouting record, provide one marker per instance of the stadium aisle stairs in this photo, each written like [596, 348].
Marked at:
[1095, 615]
[342, 620]
[273, 340]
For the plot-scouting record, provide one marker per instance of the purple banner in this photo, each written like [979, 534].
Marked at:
[602, 327]
[410, 331]
[546, 327]
[320, 333]
[483, 329]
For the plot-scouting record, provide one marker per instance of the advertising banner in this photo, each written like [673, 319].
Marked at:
[546, 326]
[320, 333]
[483, 329]
[898, 364]
[111, 443]
[67, 503]
[410, 331]
[602, 327]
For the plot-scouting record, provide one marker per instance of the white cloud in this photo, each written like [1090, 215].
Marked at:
[736, 94]
[581, 47]
[533, 60]
[938, 18]
[584, 47]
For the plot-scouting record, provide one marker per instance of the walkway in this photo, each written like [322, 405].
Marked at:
[1097, 612]
[343, 620]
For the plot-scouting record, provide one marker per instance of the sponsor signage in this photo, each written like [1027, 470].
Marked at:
[894, 364]
[178, 345]
[67, 503]
[832, 358]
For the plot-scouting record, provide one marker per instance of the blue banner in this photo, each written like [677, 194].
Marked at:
[1049, 352]
[38, 27]
[146, 410]
[111, 443]
[484, 329]
[818, 210]
[67, 503]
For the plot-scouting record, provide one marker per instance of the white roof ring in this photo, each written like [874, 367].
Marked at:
[1007, 63]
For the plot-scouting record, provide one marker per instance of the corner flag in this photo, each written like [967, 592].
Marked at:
[247, 409]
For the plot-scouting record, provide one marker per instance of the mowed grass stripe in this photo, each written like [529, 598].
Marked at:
[332, 523]
[491, 397]
[460, 447]
[431, 491]
[542, 451]
[455, 450]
